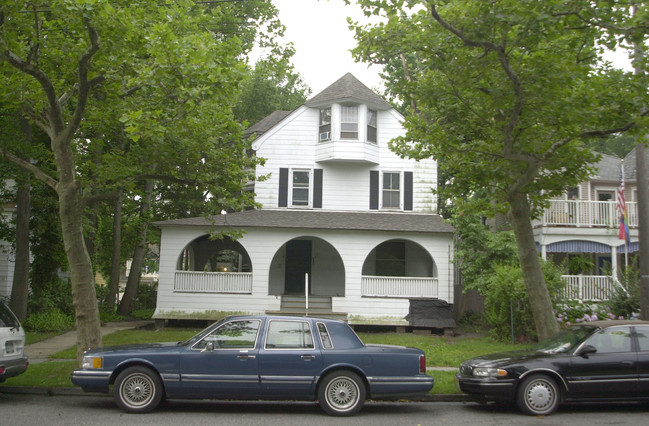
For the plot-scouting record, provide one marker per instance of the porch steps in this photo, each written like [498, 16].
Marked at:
[319, 306]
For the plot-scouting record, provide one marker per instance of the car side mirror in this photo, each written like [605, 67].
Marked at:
[209, 347]
[585, 350]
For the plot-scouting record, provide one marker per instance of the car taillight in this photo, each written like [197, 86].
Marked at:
[422, 364]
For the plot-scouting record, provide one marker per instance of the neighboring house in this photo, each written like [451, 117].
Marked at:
[580, 230]
[6, 254]
[343, 220]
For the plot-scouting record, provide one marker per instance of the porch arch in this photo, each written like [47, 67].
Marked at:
[399, 268]
[206, 255]
[401, 258]
[307, 254]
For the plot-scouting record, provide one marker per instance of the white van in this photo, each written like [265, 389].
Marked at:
[12, 342]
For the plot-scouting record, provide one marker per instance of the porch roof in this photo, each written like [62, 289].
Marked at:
[318, 219]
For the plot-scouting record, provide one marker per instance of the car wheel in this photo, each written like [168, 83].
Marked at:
[342, 393]
[138, 390]
[538, 395]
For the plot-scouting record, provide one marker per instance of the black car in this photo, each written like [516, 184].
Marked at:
[594, 361]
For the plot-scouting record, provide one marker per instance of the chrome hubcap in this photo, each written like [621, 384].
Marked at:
[342, 393]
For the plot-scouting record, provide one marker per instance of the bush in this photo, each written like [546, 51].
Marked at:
[625, 300]
[49, 321]
[506, 301]
[143, 314]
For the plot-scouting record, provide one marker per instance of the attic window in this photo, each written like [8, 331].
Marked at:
[349, 122]
[325, 124]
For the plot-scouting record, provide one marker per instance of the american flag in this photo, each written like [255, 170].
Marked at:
[621, 209]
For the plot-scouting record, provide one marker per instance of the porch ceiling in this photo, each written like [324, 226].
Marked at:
[318, 219]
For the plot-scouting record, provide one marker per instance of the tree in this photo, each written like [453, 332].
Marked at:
[61, 63]
[503, 93]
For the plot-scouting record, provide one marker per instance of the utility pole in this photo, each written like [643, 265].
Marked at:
[642, 185]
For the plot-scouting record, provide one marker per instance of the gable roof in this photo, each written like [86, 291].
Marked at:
[348, 89]
[318, 219]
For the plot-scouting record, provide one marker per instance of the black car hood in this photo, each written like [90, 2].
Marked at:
[504, 358]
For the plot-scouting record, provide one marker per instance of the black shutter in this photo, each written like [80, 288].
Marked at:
[407, 190]
[283, 188]
[374, 190]
[317, 188]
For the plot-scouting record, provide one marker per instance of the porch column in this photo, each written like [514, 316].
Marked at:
[614, 262]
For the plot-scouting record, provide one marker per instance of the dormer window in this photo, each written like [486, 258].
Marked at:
[349, 122]
[325, 124]
[371, 125]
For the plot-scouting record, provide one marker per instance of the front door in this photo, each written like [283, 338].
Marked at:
[298, 263]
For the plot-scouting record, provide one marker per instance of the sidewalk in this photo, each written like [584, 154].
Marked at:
[41, 351]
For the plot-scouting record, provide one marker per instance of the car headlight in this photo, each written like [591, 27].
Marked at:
[489, 372]
[92, 362]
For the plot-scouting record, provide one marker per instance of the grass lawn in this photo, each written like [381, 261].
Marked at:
[441, 351]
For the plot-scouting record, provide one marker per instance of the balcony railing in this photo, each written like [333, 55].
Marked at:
[579, 213]
[373, 286]
[213, 282]
[588, 287]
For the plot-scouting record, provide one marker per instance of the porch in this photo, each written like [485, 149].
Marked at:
[595, 288]
[578, 213]
[241, 283]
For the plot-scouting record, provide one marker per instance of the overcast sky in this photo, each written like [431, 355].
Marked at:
[322, 40]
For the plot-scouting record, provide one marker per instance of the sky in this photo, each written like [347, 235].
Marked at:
[322, 40]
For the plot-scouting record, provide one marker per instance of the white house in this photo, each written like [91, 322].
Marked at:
[346, 227]
[583, 224]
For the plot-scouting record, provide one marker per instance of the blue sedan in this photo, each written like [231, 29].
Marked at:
[258, 357]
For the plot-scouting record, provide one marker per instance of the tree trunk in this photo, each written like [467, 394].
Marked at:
[537, 291]
[20, 286]
[84, 296]
[115, 267]
[138, 256]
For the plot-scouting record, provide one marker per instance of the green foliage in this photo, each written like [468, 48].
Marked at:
[143, 314]
[52, 320]
[478, 250]
[625, 300]
[506, 301]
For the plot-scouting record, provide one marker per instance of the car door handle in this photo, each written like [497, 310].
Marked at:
[627, 363]
[246, 357]
[308, 357]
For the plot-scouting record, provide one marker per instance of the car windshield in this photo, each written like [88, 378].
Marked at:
[564, 341]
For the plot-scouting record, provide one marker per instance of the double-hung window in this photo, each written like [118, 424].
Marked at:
[391, 190]
[371, 125]
[349, 122]
[300, 187]
[325, 124]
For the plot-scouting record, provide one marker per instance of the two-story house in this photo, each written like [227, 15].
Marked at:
[346, 227]
[580, 230]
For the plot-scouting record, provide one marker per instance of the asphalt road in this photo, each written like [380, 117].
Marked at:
[21, 409]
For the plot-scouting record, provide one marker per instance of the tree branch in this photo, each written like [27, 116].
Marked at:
[38, 173]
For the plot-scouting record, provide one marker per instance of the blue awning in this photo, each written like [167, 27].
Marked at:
[577, 246]
[633, 247]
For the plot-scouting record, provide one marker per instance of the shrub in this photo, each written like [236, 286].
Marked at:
[506, 301]
[49, 321]
[625, 300]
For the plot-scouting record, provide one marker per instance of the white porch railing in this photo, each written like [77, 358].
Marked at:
[588, 287]
[587, 213]
[213, 282]
[374, 286]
